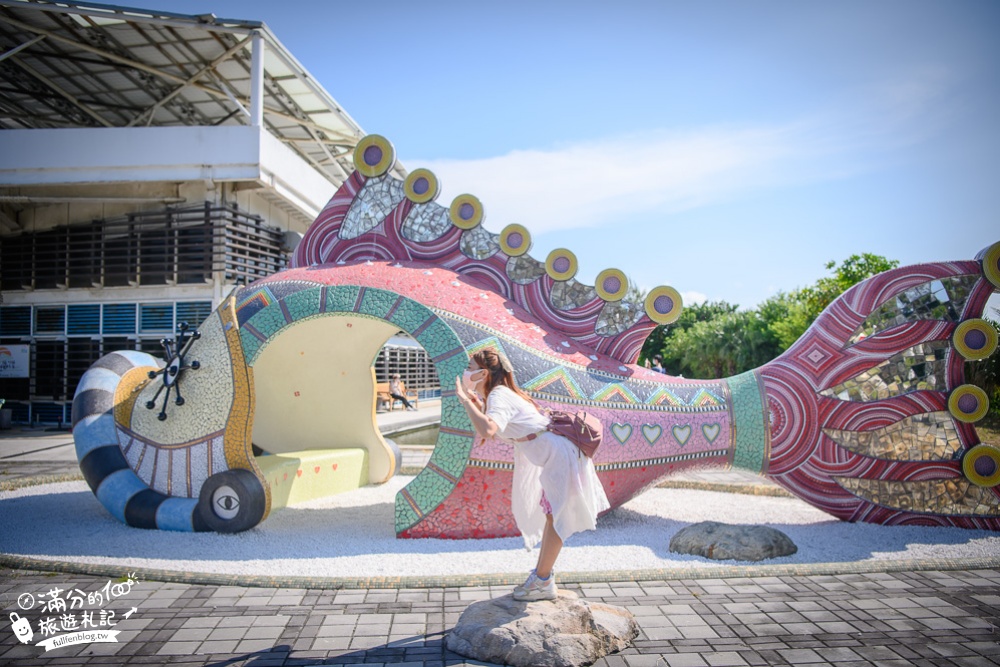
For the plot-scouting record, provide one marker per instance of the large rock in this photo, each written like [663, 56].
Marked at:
[721, 541]
[558, 633]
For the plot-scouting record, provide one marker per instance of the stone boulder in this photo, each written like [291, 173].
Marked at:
[563, 632]
[721, 541]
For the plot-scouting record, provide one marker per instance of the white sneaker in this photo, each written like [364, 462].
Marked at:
[520, 588]
[536, 589]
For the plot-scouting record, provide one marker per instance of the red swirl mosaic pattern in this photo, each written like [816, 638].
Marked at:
[806, 461]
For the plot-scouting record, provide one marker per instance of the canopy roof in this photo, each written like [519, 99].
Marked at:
[80, 64]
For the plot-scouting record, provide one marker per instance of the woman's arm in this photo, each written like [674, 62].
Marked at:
[484, 426]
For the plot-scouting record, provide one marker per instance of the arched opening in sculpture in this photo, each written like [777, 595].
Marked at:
[341, 328]
[315, 390]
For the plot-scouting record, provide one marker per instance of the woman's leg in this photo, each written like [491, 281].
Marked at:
[551, 546]
[406, 403]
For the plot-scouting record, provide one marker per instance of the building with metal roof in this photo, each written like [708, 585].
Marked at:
[149, 162]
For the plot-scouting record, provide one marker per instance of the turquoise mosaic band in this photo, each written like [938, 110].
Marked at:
[451, 454]
[750, 425]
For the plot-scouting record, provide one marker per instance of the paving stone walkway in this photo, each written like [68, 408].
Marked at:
[933, 618]
[939, 618]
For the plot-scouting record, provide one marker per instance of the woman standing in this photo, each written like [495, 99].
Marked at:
[556, 491]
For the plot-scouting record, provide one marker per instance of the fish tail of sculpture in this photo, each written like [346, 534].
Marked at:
[869, 415]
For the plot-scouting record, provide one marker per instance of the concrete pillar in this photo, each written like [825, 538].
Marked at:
[257, 80]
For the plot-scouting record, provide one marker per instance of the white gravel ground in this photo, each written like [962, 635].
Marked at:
[351, 535]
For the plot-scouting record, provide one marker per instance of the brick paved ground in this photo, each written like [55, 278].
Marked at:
[937, 618]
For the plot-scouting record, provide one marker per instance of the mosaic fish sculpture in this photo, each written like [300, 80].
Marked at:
[867, 416]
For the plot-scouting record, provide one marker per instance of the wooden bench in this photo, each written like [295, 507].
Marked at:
[382, 394]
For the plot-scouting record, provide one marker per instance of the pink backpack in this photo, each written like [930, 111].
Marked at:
[582, 429]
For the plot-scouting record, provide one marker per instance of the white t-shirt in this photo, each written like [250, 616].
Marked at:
[514, 416]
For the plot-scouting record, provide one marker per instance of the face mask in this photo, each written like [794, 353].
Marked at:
[472, 378]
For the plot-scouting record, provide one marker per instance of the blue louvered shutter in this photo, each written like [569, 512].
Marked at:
[50, 320]
[156, 318]
[15, 320]
[83, 319]
[119, 318]
[193, 312]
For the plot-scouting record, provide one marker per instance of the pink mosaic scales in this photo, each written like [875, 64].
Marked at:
[637, 451]
[812, 429]
[324, 244]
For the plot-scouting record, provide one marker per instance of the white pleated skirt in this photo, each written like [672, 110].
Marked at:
[553, 464]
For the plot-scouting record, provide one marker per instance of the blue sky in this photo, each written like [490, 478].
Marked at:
[728, 149]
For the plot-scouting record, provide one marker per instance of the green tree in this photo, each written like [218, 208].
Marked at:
[717, 339]
[851, 271]
[786, 318]
[986, 374]
[727, 344]
[656, 343]
[789, 315]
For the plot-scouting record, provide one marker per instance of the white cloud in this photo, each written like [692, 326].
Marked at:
[691, 298]
[592, 183]
[912, 96]
[611, 179]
